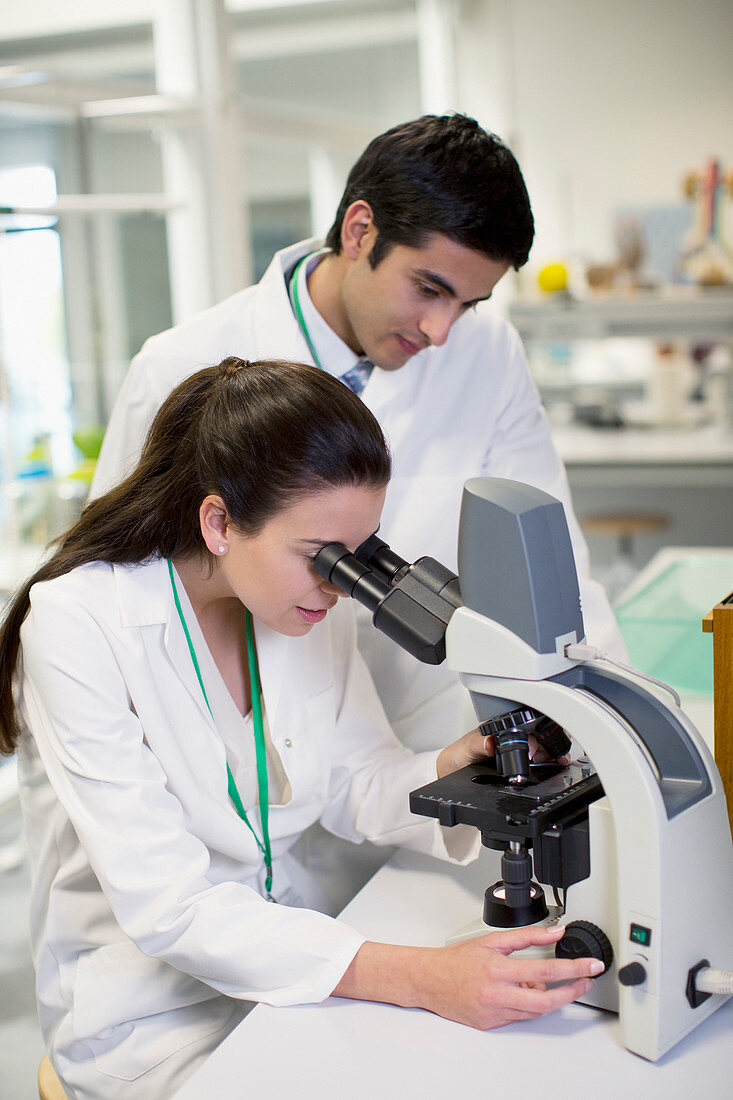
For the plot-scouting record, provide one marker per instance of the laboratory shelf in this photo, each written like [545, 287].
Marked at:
[684, 314]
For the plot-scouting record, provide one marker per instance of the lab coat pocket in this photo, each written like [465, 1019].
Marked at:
[133, 1011]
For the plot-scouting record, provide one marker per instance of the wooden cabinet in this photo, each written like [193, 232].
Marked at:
[720, 622]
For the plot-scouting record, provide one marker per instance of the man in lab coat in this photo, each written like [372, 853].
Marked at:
[434, 213]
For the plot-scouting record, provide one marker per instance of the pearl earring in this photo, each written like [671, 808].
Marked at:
[222, 549]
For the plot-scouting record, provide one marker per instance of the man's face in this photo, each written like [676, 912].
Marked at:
[414, 295]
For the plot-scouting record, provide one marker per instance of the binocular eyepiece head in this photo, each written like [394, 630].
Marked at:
[412, 604]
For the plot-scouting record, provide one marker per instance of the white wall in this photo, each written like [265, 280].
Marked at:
[607, 103]
[42, 17]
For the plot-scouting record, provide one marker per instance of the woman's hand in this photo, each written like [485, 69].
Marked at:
[488, 988]
[474, 748]
[476, 982]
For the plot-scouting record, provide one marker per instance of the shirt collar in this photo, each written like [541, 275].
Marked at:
[335, 356]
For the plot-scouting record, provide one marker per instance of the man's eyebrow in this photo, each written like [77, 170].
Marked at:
[438, 280]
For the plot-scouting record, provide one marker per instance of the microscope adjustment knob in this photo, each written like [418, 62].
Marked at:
[632, 974]
[584, 940]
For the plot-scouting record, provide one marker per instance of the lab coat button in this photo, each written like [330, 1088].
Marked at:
[288, 743]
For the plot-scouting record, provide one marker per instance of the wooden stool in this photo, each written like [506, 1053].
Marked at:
[623, 526]
[49, 1086]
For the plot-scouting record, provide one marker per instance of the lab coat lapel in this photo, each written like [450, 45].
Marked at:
[288, 667]
[292, 671]
[276, 331]
[146, 599]
[391, 395]
[179, 654]
[272, 662]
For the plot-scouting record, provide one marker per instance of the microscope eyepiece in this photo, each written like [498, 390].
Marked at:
[337, 566]
[381, 559]
[411, 604]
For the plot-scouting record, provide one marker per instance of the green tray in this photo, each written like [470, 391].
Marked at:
[661, 624]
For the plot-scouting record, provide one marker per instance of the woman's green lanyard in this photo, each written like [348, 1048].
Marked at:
[262, 785]
[297, 309]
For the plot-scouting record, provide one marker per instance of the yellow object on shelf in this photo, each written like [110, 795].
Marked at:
[553, 278]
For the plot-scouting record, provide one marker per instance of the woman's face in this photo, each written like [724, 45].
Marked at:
[272, 573]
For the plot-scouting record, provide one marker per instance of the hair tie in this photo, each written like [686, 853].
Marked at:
[232, 365]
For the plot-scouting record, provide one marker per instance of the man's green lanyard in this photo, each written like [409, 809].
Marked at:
[262, 785]
[297, 309]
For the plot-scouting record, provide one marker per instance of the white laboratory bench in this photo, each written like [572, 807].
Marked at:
[364, 1050]
[683, 474]
[710, 446]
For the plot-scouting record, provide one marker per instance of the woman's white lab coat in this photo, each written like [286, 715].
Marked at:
[147, 921]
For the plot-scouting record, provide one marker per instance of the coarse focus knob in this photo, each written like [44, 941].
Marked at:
[632, 974]
[584, 940]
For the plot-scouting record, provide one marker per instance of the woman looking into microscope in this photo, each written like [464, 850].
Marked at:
[189, 699]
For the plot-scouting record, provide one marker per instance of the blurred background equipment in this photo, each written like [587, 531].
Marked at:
[707, 258]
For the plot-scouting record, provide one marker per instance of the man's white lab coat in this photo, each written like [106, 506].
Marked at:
[464, 410]
[148, 926]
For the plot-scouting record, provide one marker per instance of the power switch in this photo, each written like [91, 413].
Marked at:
[639, 934]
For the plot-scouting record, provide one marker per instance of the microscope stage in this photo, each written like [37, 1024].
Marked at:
[477, 795]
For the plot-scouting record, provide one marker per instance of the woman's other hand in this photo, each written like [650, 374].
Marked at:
[472, 748]
[489, 987]
[475, 748]
[477, 982]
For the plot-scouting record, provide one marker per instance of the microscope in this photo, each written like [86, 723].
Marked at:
[632, 838]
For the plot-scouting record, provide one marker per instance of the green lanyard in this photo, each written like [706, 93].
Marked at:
[254, 680]
[297, 309]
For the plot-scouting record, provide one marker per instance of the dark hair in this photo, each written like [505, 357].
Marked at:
[441, 174]
[259, 435]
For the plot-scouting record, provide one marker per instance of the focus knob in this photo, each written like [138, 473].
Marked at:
[632, 974]
[552, 738]
[583, 940]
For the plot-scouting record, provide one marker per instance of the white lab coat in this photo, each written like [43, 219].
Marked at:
[467, 409]
[148, 928]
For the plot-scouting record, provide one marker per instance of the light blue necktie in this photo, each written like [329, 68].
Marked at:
[357, 378]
